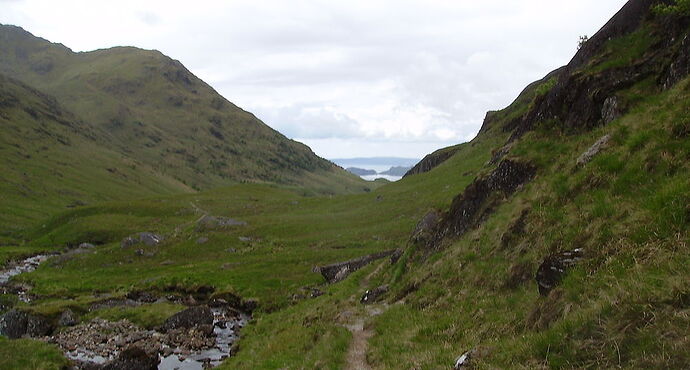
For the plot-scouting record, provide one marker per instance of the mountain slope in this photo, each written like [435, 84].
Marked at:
[52, 160]
[161, 114]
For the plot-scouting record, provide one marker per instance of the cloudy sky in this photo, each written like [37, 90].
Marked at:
[348, 78]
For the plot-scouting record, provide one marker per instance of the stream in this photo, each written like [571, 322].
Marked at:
[86, 343]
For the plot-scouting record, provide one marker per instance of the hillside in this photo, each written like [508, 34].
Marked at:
[157, 112]
[557, 238]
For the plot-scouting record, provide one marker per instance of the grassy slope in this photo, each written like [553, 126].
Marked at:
[52, 160]
[152, 109]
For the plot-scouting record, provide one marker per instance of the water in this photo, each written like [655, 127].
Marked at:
[21, 267]
[224, 329]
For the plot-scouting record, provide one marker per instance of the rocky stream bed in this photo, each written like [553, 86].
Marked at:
[198, 337]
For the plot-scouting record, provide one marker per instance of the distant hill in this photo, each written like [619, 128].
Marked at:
[360, 171]
[396, 171]
[374, 161]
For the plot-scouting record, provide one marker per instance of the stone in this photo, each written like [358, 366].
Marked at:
[610, 111]
[214, 223]
[67, 318]
[146, 238]
[86, 246]
[13, 324]
[426, 227]
[133, 358]
[554, 267]
[597, 147]
[371, 296]
[464, 361]
[339, 271]
[202, 240]
[189, 318]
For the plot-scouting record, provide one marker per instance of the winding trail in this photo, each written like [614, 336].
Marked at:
[356, 358]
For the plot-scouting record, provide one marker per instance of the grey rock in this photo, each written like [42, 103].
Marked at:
[13, 324]
[600, 145]
[67, 318]
[338, 271]
[189, 318]
[554, 267]
[215, 223]
[610, 111]
[202, 240]
[371, 296]
[86, 246]
[146, 238]
[133, 358]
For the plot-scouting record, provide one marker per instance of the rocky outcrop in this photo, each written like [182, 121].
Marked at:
[16, 324]
[371, 296]
[189, 318]
[426, 227]
[339, 271]
[479, 198]
[597, 147]
[431, 161]
[146, 238]
[584, 98]
[554, 267]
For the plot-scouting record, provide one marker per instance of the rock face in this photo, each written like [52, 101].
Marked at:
[432, 160]
[189, 318]
[371, 296]
[478, 200]
[13, 324]
[587, 99]
[554, 267]
[146, 238]
[424, 231]
[16, 324]
[133, 358]
[587, 156]
[339, 271]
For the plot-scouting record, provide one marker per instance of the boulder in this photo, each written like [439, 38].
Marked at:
[554, 267]
[16, 324]
[146, 238]
[67, 318]
[214, 223]
[371, 296]
[133, 358]
[13, 324]
[597, 147]
[338, 271]
[426, 227]
[189, 318]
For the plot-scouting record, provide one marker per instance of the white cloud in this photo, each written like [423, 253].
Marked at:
[357, 76]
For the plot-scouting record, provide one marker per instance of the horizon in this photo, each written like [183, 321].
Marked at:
[360, 80]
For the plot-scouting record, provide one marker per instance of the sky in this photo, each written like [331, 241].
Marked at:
[348, 78]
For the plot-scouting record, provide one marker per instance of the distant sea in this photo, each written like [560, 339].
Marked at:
[378, 164]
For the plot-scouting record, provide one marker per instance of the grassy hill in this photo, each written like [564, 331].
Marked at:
[138, 114]
[510, 201]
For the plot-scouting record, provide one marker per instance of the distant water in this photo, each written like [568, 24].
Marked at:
[378, 164]
[387, 177]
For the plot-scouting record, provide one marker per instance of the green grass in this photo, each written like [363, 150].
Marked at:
[30, 354]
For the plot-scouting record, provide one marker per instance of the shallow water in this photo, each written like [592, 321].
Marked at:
[224, 325]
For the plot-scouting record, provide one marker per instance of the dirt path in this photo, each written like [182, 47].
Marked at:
[356, 358]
